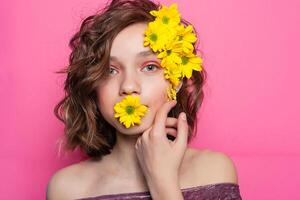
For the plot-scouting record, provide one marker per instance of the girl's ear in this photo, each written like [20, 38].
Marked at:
[179, 86]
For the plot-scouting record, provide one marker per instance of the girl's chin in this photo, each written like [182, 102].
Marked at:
[137, 128]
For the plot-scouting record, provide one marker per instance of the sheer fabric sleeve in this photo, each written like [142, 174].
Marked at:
[218, 191]
[223, 191]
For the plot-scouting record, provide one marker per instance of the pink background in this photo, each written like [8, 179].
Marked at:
[251, 110]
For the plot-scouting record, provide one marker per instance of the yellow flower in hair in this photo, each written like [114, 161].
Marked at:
[174, 45]
[167, 16]
[173, 74]
[170, 54]
[157, 37]
[186, 37]
[189, 63]
[171, 92]
[130, 110]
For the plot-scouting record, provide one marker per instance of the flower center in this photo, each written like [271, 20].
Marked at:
[129, 109]
[169, 52]
[184, 60]
[180, 38]
[165, 19]
[153, 37]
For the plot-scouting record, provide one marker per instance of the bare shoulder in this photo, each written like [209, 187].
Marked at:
[64, 183]
[209, 167]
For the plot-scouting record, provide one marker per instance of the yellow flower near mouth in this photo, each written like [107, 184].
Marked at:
[130, 110]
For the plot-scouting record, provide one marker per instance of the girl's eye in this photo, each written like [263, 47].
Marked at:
[151, 66]
[110, 70]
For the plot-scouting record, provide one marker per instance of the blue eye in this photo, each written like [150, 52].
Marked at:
[152, 66]
[110, 70]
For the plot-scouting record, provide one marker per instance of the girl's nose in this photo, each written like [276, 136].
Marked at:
[130, 85]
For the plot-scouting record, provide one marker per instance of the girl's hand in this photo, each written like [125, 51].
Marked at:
[158, 157]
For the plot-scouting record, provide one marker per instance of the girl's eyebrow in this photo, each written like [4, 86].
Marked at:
[140, 54]
[145, 53]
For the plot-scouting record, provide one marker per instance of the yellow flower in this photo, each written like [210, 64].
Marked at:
[167, 15]
[173, 73]
[171, 92]
[173, 43]
[186, 37]
[170, 54]
[189, 63]
[157, 36]
[130, 110]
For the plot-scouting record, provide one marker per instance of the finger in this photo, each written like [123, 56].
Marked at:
[161, 117]
[182, 131]
[138, 142]
[171, 122]
[145, 136]
[171, 131]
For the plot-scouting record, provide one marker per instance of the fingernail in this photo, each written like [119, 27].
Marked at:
[183, 116]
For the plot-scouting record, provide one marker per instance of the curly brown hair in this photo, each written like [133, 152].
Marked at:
[85, 127]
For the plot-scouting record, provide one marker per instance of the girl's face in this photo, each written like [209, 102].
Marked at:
[134, 70]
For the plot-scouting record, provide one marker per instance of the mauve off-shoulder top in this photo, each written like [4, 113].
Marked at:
[217, 191]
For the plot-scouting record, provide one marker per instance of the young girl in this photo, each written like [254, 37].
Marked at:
[120, 109]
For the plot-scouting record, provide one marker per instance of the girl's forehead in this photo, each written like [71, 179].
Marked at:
[148, 53]
[130, 40]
